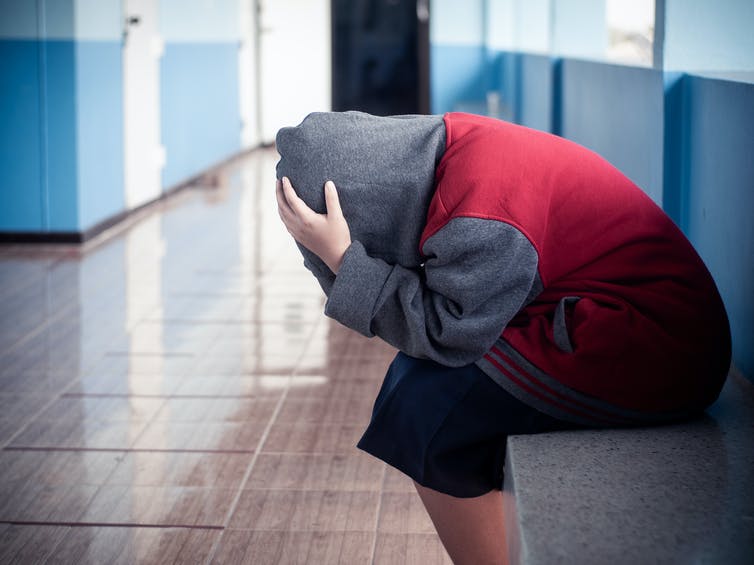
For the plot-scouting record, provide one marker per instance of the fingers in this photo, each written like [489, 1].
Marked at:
[290, 205]
[284, 209]
[298, 206]
[280, 197]
[331, 199]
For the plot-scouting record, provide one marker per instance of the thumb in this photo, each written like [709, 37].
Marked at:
[331, 199]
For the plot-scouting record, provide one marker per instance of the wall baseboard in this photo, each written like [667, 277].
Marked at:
[80, 237]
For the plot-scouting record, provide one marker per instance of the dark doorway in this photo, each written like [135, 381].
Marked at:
[380, 56]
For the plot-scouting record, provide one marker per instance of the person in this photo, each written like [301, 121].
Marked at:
[528, 285]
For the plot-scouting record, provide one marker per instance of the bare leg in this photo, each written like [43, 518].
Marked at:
[471, 529]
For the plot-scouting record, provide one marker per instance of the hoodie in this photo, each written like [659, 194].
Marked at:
[479, 241]
[384, 169]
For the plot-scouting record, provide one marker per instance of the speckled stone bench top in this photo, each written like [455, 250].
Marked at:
[673, 494]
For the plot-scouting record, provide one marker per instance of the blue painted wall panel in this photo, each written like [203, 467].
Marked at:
[617, 111]
[505, 74]
[674, 144]
[719, 198]
[99, 111]
[536, 92]
[201, 121]
[38, 147]
[20, 143]
[60, 183]
[458, 75]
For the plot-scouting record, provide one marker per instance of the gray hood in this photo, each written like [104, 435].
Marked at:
[383, 168]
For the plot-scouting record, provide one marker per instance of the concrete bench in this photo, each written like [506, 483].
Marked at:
[673, 494]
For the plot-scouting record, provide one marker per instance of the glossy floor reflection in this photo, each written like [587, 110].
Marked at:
[171, 392]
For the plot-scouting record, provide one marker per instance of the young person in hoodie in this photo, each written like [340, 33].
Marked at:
[527, 283]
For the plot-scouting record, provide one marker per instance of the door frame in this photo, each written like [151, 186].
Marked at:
[422, 53]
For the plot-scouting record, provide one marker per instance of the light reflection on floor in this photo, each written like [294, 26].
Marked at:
[172, 392]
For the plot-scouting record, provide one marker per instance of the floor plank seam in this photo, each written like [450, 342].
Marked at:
[111, 525]
[245, 478]
[36, 414]
[127, 450]
[166, 396]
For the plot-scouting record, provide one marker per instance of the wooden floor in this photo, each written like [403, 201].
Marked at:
[172, 393]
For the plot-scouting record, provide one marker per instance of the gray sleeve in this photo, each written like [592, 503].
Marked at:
[478, 274]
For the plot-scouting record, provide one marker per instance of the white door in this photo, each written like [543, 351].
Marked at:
[295, 62]
[144, 155]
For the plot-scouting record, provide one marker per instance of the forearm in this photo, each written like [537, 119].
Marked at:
[373, 297]
[451, 311]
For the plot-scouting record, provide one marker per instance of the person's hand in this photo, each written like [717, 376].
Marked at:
[325, 235]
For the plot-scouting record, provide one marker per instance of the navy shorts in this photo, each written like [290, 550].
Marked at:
[446, 427]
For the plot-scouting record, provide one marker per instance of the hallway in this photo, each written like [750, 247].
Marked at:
[171, 392]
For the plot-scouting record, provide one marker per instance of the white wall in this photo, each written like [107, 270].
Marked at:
[707, 35]
[295, 62]
[533, 29]
[200, 20]
[500, 22]
[572, 28]
[579, 28]
[98, 20]
[456, 23]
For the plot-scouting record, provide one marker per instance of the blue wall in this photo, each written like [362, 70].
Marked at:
[457, 76]
[201, 124]
[99, 131]
[20, 136]
[618, 112]
[61, 105]
[58, 122]
[717, 179]
[38, 139]
[199, 85]
[61, 147]
[538, 92]
[458, 58]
